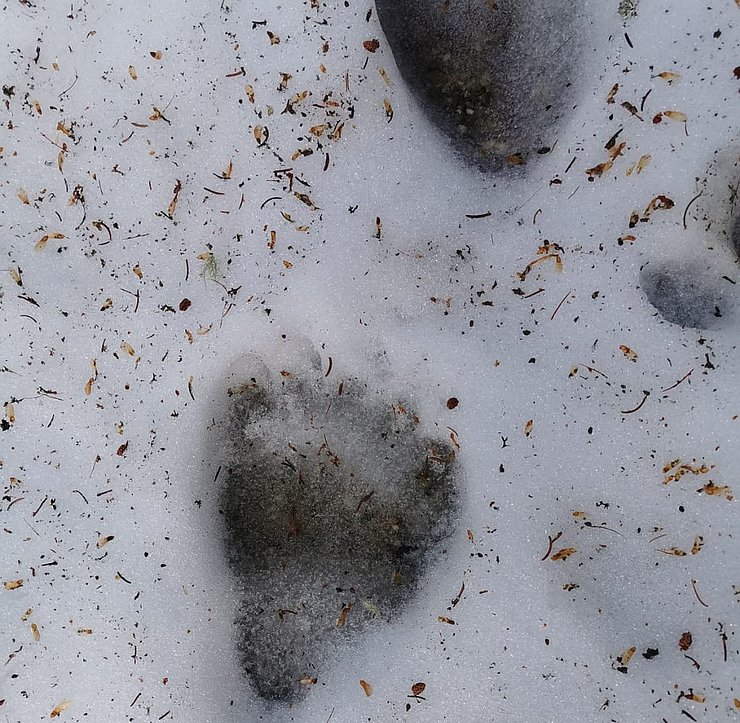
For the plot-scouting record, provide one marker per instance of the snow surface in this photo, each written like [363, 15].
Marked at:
[111, 382]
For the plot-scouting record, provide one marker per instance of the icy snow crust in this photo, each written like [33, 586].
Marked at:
[588, 332]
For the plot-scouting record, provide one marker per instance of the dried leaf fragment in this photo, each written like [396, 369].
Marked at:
[23, 197]
[631, 109]
[698, 544]
[305, 198]
[624, 659]
[612, 93]
[35, 632]
[685, 641]
[641, 165]
[717, 490]
[675, 469]
[616, 150]
[675, 115]
[668, 76]
[418, 688]
[674, 551]
[600, 169]
[366, 687]
[13, 584]
[132, 72]
[630, 354]
[388, 109]
[443, 619]
[41, 243]
[342, 619]
[175, 195]
[529, 425]
[659, 203]
[59, 709]
[103, 541]
[60, 157]
[563, 554]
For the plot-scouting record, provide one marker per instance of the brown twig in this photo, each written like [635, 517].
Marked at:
[688, 205]
[560, 304]
[550, 542]
[673, 386]
[639, 406]
[693, 585]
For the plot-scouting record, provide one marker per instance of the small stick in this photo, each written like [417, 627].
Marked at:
[560, 304]
[693, 585]
[550, 542]
[40, 506]
[688, 205]
[639, 406]
[673, 386]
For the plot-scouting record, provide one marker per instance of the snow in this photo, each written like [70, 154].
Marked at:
[408, 269]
